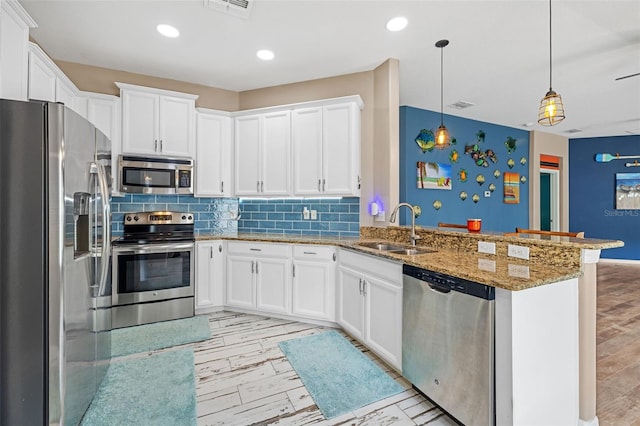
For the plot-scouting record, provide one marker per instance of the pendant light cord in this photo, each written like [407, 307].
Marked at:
[441, 86]
[550, 56]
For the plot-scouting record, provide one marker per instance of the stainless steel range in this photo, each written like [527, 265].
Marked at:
[153, 268]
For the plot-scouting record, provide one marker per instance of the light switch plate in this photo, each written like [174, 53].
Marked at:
[314, 214]
[520, 252]
[486, 247]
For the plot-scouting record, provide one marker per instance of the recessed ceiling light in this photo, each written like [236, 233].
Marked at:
[397, 24]
[265, 55]
[168, 30]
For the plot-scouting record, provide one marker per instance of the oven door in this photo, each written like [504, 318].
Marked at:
[152, 272]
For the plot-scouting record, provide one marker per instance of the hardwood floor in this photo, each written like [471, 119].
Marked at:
[243, 378]
[618, 345]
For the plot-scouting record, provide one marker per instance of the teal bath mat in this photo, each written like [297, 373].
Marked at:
[159, 335]
[156, 390]
[338, 376]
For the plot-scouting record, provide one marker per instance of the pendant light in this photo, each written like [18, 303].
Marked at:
[442, 138]
[551, 110]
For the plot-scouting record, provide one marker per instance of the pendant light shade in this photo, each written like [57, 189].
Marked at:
[442, 138]
[551, 110]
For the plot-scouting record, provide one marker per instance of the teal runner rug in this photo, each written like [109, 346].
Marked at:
[154, 390]
[337, 375]
[159, 335]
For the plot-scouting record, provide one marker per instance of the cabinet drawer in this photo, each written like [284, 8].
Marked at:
[258, 249]
[311, 252]
[385, 269]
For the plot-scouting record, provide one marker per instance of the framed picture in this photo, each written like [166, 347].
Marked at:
[628, 191]
[433, 175]
[511, 188]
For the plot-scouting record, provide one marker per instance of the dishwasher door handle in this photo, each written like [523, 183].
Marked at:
[438, 288]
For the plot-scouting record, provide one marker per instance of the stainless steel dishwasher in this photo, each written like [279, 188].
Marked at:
[448, 343]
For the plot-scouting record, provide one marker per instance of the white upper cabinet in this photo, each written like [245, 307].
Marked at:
[326, 149]
[157, 122]
[14, 50]
[47, 82]
[263, 154]
[213, 154]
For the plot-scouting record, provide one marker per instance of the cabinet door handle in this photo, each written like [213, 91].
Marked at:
[319, 185]
[310, 252]
[364, 288]
[220, 248]
[211, 252]
[255, 249]
[360, 286]
[358, 182]
[334, 257]
[160, 145]
[256, 268]
[323, 182]
[261, 186]
[252, 267]
[155, 147]
[222, 186]
[294, 270]
[258, 186]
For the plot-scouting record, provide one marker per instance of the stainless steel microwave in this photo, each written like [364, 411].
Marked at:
[155, 175]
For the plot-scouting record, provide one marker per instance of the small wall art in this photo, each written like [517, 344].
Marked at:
[511, 188]
[433, 175]
[628, 191]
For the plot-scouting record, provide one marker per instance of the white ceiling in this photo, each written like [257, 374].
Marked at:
[497, 59]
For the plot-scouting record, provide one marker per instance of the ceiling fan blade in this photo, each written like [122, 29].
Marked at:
[627, 76]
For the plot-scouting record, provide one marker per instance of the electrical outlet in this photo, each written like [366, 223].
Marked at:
[520, 271]
[314, 215]
[486, 247]
[380, 217]
[487, 265]
[518, 251]
[305, 213]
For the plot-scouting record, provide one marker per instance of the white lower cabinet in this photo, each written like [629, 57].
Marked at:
[314, 277]
[370, 303]
[209, 276]
[258, 276]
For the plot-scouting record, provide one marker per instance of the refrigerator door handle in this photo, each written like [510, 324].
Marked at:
[106, 228]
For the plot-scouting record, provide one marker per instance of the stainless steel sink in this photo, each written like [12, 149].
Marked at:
[381, 246]
[411, 251]
[396, 249]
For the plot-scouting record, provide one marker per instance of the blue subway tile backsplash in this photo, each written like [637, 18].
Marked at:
[336, 217]
[211, 215]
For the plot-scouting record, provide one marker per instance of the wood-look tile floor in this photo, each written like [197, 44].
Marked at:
[243, 378]
[618, 345]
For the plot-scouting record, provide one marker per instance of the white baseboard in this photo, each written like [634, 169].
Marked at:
[626, 261]
[593, 422]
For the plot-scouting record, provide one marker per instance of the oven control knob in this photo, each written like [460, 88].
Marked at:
[190, 217]
[136, 218]
[128, 218]
[184, 217]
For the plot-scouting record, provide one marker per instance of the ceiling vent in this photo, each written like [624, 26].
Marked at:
[461, 105]
[239, 8]
[573, 131]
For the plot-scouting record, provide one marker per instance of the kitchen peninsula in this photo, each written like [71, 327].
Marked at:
[542, 328]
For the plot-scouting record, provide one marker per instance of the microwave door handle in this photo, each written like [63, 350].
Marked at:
[106, 229]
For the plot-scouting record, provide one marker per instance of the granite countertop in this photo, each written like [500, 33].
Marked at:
[494, 270]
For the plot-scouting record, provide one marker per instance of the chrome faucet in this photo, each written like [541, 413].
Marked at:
[392, 218]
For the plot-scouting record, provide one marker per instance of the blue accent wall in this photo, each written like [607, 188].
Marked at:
[592, 199]
[212, 215]
[495, 214]
[335, 217]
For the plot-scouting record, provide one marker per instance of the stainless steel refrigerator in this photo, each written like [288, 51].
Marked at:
[54, 285]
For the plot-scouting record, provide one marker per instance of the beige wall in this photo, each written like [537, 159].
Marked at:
[386, 140]
[379, 121]
[101, 80]
[545, 143]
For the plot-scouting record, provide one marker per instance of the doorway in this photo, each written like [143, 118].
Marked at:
[549, 200]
